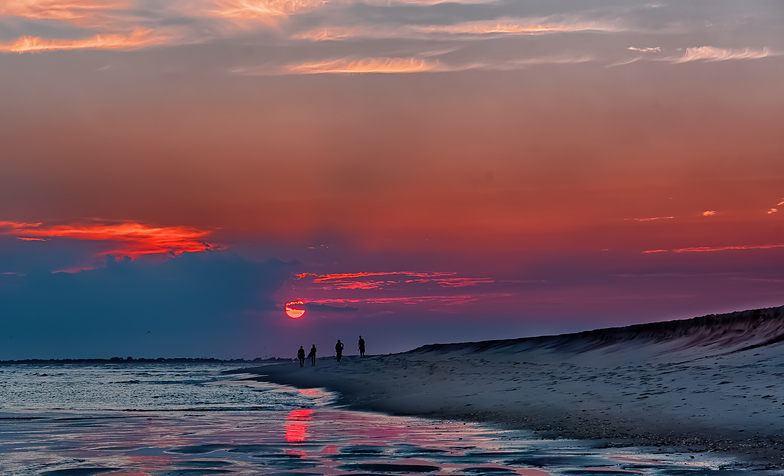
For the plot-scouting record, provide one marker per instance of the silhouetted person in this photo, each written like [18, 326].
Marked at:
[339, 349]
[312, 355]
[361, 346]
[301, 356]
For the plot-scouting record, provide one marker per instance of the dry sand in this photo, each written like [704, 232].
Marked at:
[709, 384]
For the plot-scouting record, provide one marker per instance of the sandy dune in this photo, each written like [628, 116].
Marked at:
[712, 383]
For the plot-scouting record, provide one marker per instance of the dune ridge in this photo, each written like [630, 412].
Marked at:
[712, 383]
[730, 332]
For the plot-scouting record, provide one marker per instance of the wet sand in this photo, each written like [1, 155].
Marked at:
[707, 385]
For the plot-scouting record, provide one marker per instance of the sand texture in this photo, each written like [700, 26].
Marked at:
[712, 383]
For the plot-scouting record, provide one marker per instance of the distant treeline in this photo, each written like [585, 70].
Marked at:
[116, 360]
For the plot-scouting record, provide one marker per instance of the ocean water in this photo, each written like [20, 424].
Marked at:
[194, 419]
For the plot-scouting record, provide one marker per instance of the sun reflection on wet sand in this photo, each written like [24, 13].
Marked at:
[296, 431]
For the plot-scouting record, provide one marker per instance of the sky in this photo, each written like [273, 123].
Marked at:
[174, 172]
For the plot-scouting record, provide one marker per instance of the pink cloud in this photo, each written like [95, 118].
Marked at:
[709, 53]
[139, 38]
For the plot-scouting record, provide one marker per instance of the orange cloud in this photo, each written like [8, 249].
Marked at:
[75, 11]
[708, 213]
[341, 33]
[707, 249]
[134, 239]
[709, 53]
[651, 218]
[772, 211]
[367, 65]
[263, 9]
[139, 38]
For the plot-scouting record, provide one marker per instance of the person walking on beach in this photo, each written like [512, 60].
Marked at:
[312, 355]
[361, 346]
[301, 356]
[339, 349]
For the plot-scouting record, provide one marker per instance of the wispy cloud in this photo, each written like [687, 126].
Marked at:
[133, 239]
[709, 53]
[709, 249]
[75, 11]
[400, 65]
[381, 280]
[475, 29]
[485, 28]
[650, 218]
[451, 300]
[708, 213]
[655, 49]
[139, 38]
[360, 66]
[773, 210]
[262, 9]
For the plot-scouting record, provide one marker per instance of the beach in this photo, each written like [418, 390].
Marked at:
[706, 385]
[189, 419]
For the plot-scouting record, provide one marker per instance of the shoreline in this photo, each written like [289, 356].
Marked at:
[608, 424]
[701, 388]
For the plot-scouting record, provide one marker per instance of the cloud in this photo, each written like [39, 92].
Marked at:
[400, 65]
[709, 249]
[338, 33]
[485, 28]
[362, 66]
[74, 11]
[131, 239]
[398, 279]
[264, 10]
[709, 53]
[772, 211]
[476, 29]
[322, 278]
[655, 49]
[139, 38]
[708, 213]
[450, 300]
[650, 219]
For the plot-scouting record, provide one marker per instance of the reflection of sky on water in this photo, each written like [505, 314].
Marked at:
[305, 441]
[192, 421]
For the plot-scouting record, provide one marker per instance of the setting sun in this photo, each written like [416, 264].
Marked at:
[294, 313]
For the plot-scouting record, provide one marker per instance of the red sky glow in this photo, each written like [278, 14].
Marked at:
[411, 170]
